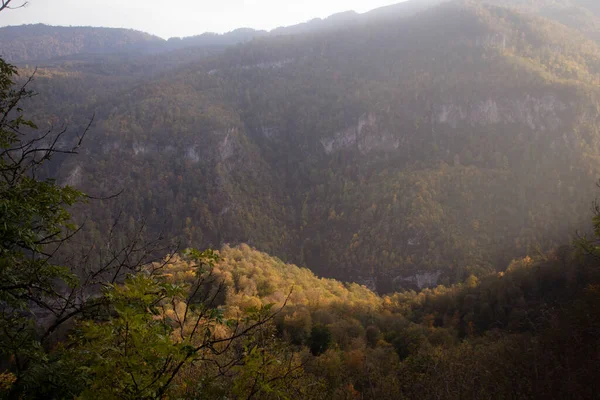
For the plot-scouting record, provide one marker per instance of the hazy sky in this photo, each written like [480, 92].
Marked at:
[167, 18]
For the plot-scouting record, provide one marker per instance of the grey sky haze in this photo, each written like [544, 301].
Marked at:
[182, 17]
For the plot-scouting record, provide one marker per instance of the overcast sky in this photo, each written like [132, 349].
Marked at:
[167, 18]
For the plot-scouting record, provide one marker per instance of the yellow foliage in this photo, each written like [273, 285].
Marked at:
[7, 379]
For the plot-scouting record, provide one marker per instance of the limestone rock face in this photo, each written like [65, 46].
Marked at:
[418, 281]
[367, 136]
[537, 113]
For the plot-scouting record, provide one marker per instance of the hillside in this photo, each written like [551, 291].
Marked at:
[503, 336]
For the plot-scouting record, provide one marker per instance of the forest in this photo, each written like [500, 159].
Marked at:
[267, 215]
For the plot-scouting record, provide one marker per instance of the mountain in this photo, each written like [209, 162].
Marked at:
[214, 40]
[400, 152]
[403, 9]
[42, 43]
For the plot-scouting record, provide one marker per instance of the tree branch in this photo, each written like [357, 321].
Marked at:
[5, 5]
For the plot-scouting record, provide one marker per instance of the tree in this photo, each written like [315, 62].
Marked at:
[39, 291]
[320, 339]
[34, 223]
[591, 246]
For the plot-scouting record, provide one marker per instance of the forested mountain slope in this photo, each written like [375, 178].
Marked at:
[403, 152]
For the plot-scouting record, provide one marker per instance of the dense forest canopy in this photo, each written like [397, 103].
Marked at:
[397, 203]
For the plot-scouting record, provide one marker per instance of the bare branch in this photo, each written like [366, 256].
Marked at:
[5, 5]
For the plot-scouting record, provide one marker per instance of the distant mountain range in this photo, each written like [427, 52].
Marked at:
[41, 43]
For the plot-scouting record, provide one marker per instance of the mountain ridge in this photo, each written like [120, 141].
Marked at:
[13, 52]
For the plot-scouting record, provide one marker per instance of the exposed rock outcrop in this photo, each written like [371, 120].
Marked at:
[418, 281]
[537, 113]
[367, 136]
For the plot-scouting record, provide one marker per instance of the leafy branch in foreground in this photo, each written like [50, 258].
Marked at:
[34, 223]
[43, 287]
